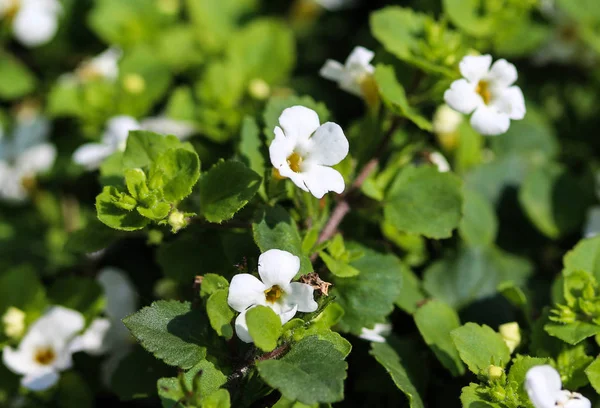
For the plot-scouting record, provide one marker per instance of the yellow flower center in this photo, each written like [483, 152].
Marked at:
[45, 355]
[12, 9]
[483, 89]
[369, 89]
[273, 293]
[294, 160]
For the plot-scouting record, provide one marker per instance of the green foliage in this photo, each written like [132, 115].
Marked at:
[219, 313]
[479, 347]
[264, 326]
[16, 79]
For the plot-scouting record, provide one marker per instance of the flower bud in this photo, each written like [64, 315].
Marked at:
[445, 125]
[259, 89]
[14, 322]
[494, 372]
[511, 334]
[134, 83]
[370, 90]
[177, 220]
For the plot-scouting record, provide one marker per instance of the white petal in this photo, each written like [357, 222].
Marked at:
[489, 121]
[92, 341]
[19, 361]
[332, 70]
[107, 63]
[91, 155]
[440, 162]
[446, 120]
[301, 295]
[167, 126]
[36, 159]
[117, 130]
[288, 314]
[511, 102]
[542, 384]
[245, 290]
[40, 381]
[592, 224]
[34, 25]
[121, 295]
[377, 333]
[59, 323]
[360, 56]
[322, 179]
[461, 96]
[299, 123]
[241, 328]
[503, 73]
[475, 68]
[277, 267]
[280, 149]
[577, 400]
[329, 145]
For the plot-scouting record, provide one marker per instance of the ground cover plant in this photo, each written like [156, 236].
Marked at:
[307, 203]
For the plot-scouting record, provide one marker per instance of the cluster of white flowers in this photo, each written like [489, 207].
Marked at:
[274, 289]
[544, 388]
[24, 154]
[114, 138]
[34, 22]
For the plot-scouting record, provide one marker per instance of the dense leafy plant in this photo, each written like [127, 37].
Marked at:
[203, 207]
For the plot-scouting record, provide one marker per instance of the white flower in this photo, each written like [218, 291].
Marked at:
[304, 150]
[592, 224]
[543, 386]
[377, 333]
[276, 290]
[487, 92]
[34, 22]
[104, 65]
[439, 161]
[23, 155]
[335, 5]
[114, 138]
[351, 75]
[446, 120]
[47, 348]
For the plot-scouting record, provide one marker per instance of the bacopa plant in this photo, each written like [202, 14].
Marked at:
[299, 204]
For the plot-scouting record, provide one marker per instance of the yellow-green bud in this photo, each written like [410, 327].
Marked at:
[511, 334]
[14, 322]
[259, 89]
[134, 83]
[177, 220]
[494, 372]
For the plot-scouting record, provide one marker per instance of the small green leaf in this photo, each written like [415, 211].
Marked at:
[593, 374]
[172, 331]
[179, 170]
[394, 96]
[211, 283]
[465, 14]
[412, 293]
[251, 148]
[218, 399]
[585, 257]
[225, 189]
[115, 209]
[339, 268]
[479, 225]
[144, 147]
[424, 201]
[264, 326]
[219, 313]
[135, 179]
[474, 396]
[435, 320]
[572, 333]
[480, 346]
[571, 364]
[15, 78]
[389, 359]
[156, 212]
[313, 371]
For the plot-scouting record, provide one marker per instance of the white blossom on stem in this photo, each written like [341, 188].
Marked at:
[274, 289]
[34, 22]
[351, 75]
[377, 333]
[104, 65]
[488, 93]
[304, 151]
[544, 388]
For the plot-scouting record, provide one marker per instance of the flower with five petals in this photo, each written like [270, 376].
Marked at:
[544, 388]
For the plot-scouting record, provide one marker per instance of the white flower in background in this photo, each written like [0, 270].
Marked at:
[34, 22]
[48, 347]
[544, 388]
[303, 150]
[335, 5]
[14, 322]
[275, 290]
[439, 161]
[446, 120]
[377, 333]
[488, 93]
[353, 73]
[23, 155]
[592, 223]
[104, 65]
[114, 138]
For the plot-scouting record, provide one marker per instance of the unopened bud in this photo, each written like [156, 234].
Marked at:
[14, 322]
[511, 334]
[177, 220]
[259, 89]
[134, 83]
[494, 372]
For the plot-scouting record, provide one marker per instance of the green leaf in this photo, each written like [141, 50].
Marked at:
[274, 229]
[137, 374]
[82, 294]
[313, 371]
[480, 346]
[571, 364]
[389, 359]
[339, 268]
[368, 297]
[218, 399]
[424, 201]
[172, 331]
[135, 179]
[219, 313]
[74, 392]
[572, 333]
[225, 189]
[91, 238]
[554, 200]
[264, 326]
[212, 283]
[585, 257]
[412, 294]
[465, 14]
[474, 274]
[21, 288]
[143, 148]
[394, 96]
[115, 209]
[479, 225]
[278, 104]
[593, 374]
[435, 320]
[474, 396]
[179, 170]
[15, 78]
[518, 371]
[251, 149]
